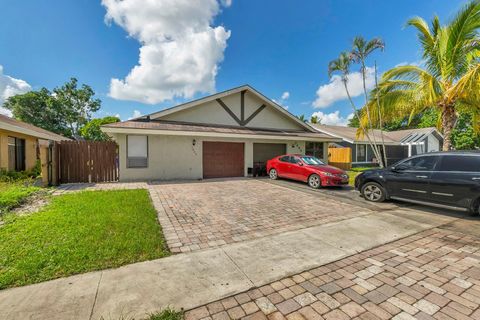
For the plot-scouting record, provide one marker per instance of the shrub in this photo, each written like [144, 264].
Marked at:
[12, 176]
[14, 193]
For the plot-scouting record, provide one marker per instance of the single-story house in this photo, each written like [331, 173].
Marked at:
[399, 144]
[23, 144]
[227, 134]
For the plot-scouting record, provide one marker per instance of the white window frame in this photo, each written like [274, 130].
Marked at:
[128, 164]
[366, 153]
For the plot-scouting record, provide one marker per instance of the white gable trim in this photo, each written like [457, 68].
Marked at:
[220, 95]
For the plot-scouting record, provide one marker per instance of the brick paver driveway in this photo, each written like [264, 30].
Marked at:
[199, 215]
[432, 275]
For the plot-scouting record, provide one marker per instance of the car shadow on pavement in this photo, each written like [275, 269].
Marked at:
[353, 197]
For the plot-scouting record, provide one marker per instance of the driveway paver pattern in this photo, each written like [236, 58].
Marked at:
[213, 213]
[434, 274]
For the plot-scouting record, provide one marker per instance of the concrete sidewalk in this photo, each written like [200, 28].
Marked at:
[193, 279]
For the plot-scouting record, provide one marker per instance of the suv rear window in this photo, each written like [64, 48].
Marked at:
[460, 163]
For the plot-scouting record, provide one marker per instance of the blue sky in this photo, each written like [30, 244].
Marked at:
[192, 48]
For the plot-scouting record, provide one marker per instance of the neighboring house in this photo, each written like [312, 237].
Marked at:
[399, 144]
[22, 144]
[223, 135]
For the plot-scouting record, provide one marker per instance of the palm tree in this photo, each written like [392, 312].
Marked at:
[361, 50]
[314, 119]
[449, 78]
[302, 118]
[359, 54]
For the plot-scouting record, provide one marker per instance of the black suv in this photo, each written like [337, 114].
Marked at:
[441, 179]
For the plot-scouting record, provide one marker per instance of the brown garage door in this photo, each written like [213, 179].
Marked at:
[223, 159]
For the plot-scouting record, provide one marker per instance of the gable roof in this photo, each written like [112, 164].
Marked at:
[14, 125]
[191, 104]
[413, 135]
[349, 134]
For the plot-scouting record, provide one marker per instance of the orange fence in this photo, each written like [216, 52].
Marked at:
[340, 158]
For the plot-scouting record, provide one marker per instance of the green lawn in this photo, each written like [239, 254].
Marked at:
[14, 193]
[351, 177]
[167, 314]
[355, 172]
[79, 232]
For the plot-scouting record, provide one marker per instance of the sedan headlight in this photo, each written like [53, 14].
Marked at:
[328, 174]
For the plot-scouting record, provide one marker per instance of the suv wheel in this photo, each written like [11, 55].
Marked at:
[374, 192]
[475, 211]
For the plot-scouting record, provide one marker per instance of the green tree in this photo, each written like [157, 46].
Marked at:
[354, 122]
[64, 111]
[361, 50]
[314, 119]
[463, 136]
[78, 104]
[302, 118]
[449, 79]
[39, 108]
[91, 131]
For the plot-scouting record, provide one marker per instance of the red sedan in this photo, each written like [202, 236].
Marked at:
[307, 169]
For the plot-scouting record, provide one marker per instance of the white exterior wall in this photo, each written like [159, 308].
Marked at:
[175, 157]
[433, 143]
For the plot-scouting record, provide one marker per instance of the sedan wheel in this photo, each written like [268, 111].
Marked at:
[273, 174]
[373, 192]
[314, 181]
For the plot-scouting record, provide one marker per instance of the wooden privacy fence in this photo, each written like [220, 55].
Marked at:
[340, 158]
[87, 161]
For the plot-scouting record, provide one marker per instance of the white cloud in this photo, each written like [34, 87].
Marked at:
[406, 63]
[9, 87]
[283, 99]
[334, 91]
[180, 50]
[5, 112]
[226, 3]
[333, 118]
[136, 114]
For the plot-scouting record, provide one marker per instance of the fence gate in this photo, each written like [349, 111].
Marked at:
[87, 161]
[340, 158]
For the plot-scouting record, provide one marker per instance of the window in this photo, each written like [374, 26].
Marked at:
[419, 164]
[314, 149]
[460, 163]
[285, 159]
[137, 151]
[361, 153]
[312, 160]
[16, 154]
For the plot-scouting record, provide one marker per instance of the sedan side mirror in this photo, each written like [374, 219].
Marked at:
[398, 168]
[300, 163]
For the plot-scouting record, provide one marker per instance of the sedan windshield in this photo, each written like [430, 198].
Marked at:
[311, 160]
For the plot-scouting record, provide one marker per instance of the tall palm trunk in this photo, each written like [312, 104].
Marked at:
[449, 117]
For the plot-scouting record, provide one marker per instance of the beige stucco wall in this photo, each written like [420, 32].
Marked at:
[212, 113]
[30, 149]
[175, 157]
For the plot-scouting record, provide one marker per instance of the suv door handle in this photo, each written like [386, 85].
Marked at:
[423, 177]
[476, 178]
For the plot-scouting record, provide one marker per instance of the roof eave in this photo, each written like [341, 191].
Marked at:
[30, 132]
[124, 130]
